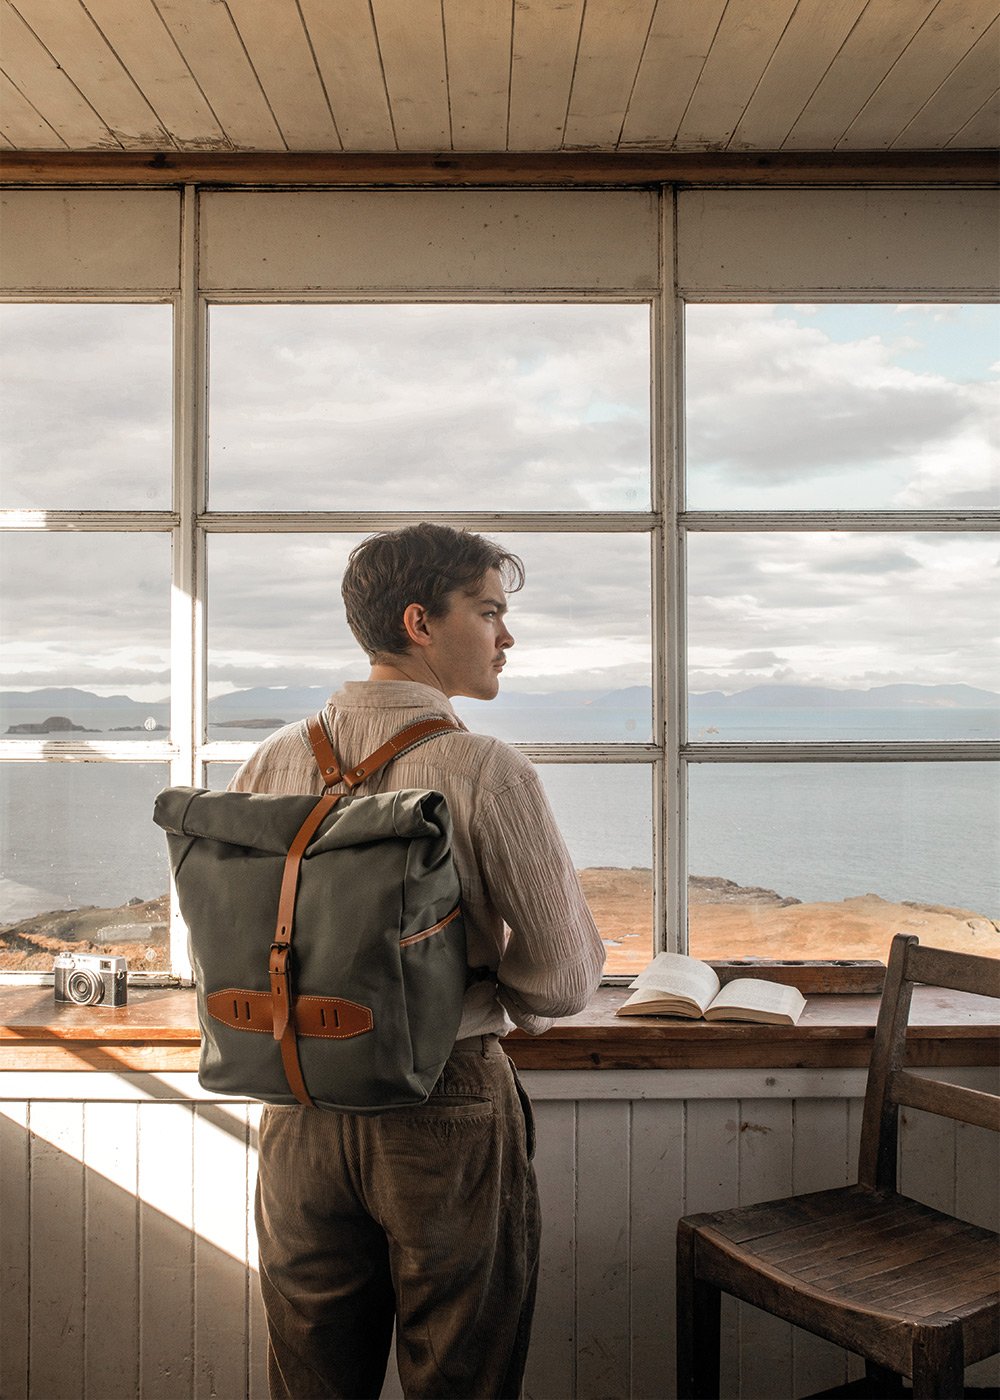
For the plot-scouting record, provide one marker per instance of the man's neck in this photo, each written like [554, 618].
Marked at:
[406, 670]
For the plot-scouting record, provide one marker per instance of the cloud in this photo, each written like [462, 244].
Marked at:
[781, 414]
[583, 618]
[85, 406]
[85, 607]
[508, 408]
[844, 609]
[758, 660]
[453, 407]
[244, 677]
[963, 471]
[86, 675]
[733, 678]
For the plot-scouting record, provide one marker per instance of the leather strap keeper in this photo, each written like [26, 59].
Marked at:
[333, 1018]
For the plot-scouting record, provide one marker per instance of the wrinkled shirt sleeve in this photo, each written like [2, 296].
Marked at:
[553, 958]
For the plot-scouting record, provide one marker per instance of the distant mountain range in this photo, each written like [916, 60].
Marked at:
[291, 701]
[64, 697]
[879, 697]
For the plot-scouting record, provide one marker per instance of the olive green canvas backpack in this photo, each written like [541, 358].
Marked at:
[326, 935]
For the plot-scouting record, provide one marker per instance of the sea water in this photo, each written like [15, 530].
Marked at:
[80, 833]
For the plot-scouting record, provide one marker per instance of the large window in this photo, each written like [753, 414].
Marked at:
[86, 413]
[319, 421]
[535, 415]
[756, 656]
[843, 670]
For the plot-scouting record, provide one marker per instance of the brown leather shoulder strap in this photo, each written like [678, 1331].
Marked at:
[400, 743]
[322, 749]
[279, 968]
[405, 739]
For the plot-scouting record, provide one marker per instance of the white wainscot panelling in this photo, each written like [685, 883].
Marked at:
[125, 1219]
[127, 1266]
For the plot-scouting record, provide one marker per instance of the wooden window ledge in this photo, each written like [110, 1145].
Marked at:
[158, 1031]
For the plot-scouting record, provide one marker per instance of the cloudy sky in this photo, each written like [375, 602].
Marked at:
[521, 407]
[858, 407]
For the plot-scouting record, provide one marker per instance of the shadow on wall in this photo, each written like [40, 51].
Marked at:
[103, 1293]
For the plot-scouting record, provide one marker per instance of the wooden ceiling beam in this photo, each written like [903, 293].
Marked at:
[567, 169]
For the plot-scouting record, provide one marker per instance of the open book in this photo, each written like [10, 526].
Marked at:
[675, 985]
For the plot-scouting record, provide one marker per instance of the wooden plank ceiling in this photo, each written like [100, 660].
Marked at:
[499, 75]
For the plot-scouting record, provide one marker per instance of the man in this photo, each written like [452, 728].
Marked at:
[427, 1217]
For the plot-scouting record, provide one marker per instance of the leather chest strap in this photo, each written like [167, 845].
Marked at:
[279, 969]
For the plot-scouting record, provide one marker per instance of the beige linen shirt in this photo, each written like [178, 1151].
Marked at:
[525, 914]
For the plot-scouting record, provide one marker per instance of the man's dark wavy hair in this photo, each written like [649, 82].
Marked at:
[417, 564]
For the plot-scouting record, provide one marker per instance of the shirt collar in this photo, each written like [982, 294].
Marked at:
[393, 695]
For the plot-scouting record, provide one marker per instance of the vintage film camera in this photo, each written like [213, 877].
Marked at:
[88, 979]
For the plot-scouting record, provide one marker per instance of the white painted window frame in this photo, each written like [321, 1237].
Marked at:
[667, 525]
[688, 522]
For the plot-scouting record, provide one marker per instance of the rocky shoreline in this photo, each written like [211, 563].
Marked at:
[726, 920]
[137, 931]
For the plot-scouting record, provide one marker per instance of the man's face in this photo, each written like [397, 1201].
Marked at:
[467, 646]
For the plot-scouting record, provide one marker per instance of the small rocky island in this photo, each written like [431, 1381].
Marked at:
[54, 724]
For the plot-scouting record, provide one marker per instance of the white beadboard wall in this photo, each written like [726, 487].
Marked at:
[127, 1245]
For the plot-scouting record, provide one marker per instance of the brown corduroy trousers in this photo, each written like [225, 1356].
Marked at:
[424, 1217]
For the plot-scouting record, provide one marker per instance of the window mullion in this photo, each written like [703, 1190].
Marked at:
[846, 751]
[93, 521]
[876, 521]
[185, 609]
[365, 521]
[669, 877]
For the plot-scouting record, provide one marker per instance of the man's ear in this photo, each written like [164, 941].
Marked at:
[415, 621]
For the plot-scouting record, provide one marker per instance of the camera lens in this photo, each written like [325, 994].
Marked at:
[85, 988]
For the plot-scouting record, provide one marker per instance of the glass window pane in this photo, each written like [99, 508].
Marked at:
[581, 665]
[843, 636]
[842, 406]
[278, 643]
[218, 775]
[85, 406]
[454, 407]
[605, 813]
[83, 867]
[830, 860]
[86, 636]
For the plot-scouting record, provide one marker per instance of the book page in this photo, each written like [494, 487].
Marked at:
[751, 999]
[681, 976]
[647, 1001]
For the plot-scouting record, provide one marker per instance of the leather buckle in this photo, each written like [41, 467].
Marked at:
[280, 987]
